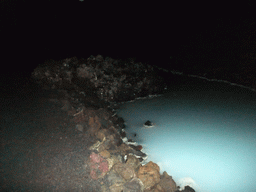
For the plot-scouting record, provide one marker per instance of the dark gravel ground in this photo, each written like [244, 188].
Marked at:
[40, 148]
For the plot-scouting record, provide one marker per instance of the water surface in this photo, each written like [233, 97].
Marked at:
[205, 134]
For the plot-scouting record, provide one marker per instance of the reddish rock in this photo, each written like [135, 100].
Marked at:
[96, 158]
[103, 166]
[98, 166]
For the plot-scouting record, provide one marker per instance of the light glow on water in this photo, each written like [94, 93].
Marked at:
[205, 134]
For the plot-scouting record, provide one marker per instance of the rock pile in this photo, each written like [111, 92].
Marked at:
[115, 163]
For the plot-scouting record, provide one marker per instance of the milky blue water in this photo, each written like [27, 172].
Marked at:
[205, 134]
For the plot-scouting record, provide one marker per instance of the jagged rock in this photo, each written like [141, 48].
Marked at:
[105, 154]
[108, 141]
[149, 174]
[99, 58]
[148, 124]
[104, 114]
[101, 134]
[134, 185]
[156, 188]
[96, 145]
[109, 144]
[94, 125]
[133, 161]
[114, 181]
[79, 116]
[116, 187]
[126, 150]
[136, 147]
[118, 121]
[167, 183]
[125, 170]
[187, 189]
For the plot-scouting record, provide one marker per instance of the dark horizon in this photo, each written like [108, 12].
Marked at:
[192, 41]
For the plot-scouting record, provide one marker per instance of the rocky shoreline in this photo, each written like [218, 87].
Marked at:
[89, 91]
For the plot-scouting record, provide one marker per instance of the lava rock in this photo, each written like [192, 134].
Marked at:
[149, 174]
[148, 124]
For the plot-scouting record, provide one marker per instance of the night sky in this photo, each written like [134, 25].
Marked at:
[195, 36]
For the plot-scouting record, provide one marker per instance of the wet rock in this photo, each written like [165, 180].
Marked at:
[149, 174]
[148, 124]
[186, 189]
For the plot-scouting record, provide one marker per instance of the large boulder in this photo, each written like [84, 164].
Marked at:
[149, 174]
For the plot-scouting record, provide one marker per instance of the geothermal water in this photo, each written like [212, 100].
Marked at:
[204, 134]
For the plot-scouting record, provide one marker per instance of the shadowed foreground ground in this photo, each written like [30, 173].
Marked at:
[41, 149]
